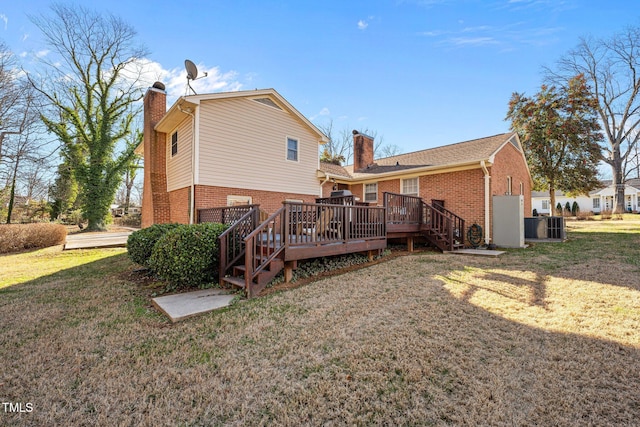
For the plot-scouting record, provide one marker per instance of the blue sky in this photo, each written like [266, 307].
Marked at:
[420, 73]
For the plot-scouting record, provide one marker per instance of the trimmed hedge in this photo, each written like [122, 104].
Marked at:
[19, 237]
[188, 255]
[140, 243]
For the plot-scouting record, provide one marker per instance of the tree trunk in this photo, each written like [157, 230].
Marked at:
[12, 194]
[618, 182]
[552, 200]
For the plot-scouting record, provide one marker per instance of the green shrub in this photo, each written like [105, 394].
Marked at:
[559, 208]
[575, 209]
[188, 255]
[140, 243]
[18, 237]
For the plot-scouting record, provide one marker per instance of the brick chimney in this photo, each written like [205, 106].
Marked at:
[155, 198]
[362, 151]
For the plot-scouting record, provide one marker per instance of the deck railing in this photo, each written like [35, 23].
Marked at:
[263, 245]
[403, 209]
[320, 223]
[232, 241]
[337, 200]
[410, 213]
[225, 214]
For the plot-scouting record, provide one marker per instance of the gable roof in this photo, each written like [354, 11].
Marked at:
[448, 156]
[185, 105]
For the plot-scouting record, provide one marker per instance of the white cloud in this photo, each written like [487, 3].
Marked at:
[41, 53]
[323, 112]
[362, 25]
[175, 79]
[5, 19]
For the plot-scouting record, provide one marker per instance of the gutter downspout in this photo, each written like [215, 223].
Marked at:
[327, 177]
[192, 191]
[487, 223]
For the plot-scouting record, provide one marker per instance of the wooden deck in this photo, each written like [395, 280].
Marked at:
[254, 249]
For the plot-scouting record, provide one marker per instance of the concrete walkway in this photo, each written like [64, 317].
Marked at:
[181, 306]
[477, 252]
[97, 240]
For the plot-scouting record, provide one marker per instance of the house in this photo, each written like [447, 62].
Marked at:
[221, 149]
[597, 201]
[462, 177]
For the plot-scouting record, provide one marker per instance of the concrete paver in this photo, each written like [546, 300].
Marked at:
[97, 240]
[180, 306]
[477, 252]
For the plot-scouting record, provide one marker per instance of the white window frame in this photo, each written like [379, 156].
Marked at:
[297, 149]
[365, 192]
[545, 205]
[509, 186]
[596, 201]
[521, 188]
[403, 189]
[174, 144]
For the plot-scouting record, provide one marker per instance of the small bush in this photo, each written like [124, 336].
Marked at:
[18, 237]
[575, 209]
[581, 216]
[140, 243]
[188, 255]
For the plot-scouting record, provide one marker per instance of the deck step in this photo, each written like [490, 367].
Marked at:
[235, 281]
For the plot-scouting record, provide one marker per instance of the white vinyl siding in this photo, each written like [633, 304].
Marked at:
[410, 186]
[242, 144]
[371, 192]
[179, 165]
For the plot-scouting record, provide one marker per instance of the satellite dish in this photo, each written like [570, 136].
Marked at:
[192, 74]
[192, 70]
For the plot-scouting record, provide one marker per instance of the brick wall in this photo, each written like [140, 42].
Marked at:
[179, 200]
[155, 199]
[270, 201]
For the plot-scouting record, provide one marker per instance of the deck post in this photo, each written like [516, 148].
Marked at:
[289, 266]
[410, 243]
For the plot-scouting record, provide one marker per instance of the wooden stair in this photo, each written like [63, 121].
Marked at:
[441, 241]
[253, 287]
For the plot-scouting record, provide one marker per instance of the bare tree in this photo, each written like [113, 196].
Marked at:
[92, 85]
[339, 149]
[13, 99]
[24, 155]
[612, 69]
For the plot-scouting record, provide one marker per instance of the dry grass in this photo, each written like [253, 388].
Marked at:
[543, 336]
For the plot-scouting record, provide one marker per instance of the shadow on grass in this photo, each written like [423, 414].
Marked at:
[391, 344]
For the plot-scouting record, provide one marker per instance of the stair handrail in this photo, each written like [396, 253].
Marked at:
[445, 223]
[254, 245]
[230, 253]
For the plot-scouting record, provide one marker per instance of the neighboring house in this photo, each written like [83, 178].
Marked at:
[221, 149]
[597, 201]
[461, 177]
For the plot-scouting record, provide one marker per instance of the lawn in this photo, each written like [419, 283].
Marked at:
[543, 336]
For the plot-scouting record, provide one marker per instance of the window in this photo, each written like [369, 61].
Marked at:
[509, 188]
[596, 203]
[174, 144]
[238, 200]
[545, 205]
[292, 149]
[410, 186]
[522, 188]
[371, 192]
